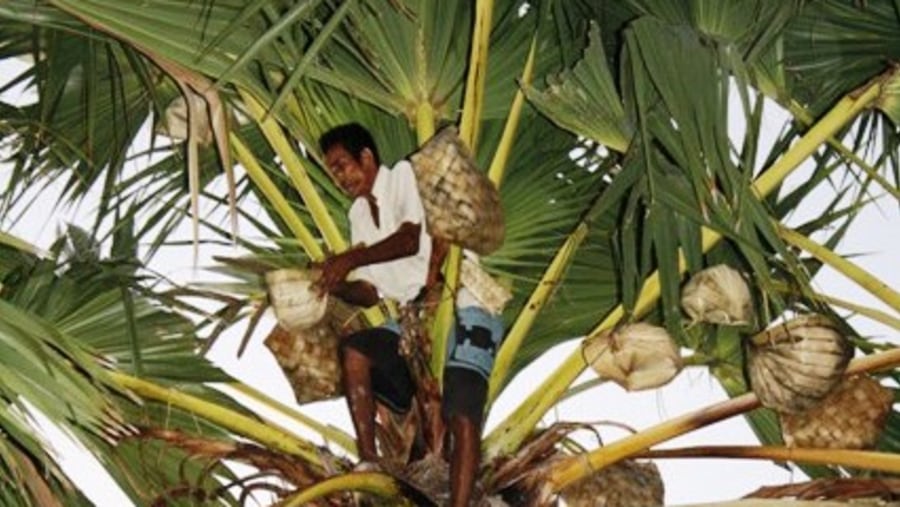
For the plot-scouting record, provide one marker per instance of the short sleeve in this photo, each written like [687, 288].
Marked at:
[408, 201]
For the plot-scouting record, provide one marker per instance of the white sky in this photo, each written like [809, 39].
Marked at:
[874, 236]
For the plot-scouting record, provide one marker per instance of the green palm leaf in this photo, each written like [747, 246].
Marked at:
[586, 100]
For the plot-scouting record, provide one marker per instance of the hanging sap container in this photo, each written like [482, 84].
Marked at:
[296, 303]
[461, 204]
[793, 366]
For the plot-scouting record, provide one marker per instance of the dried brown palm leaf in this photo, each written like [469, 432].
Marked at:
[204, 107]
[175, 122]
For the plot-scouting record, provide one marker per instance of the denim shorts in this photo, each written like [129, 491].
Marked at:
[474, 340]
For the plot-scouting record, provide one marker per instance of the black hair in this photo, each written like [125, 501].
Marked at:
[353, 137]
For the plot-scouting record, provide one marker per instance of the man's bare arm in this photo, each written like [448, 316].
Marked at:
[404, 242]
[357, 292]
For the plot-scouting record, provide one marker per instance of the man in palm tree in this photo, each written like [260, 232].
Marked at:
[392, 258]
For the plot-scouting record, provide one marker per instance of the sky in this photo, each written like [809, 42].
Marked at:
[874, 239]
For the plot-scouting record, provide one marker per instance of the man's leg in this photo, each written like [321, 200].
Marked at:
[465, 392]
[470, 358]
[357, 378]
[372, 366]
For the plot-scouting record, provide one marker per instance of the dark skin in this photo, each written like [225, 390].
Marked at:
[356, 175]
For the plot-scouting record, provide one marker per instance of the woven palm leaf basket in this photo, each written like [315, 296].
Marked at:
[309, 357]
[309, 360]
[461, 204]
[851, 417]
[624, 484]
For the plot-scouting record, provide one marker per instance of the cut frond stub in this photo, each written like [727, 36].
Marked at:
[636, 356]
[718, 295]
[794, 365]
[851, 417]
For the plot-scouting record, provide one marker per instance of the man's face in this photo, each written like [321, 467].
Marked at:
[356, 177]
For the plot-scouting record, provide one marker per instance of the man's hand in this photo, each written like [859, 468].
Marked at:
[401, 243]
[335, 270]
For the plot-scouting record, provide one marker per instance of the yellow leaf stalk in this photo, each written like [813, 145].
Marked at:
[852, 271]
[328, 432]
[474, 97]
[804, 116]
[379, 484]
[272, 437]
[471, 117]
[867, 460]
[265, 184]
[501, 156]
[532, 308]
[513, 341]
[865, 311]
[295, 170]
[440, 330]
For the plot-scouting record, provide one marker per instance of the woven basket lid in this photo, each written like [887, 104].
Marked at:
[492, 295]
[296, 303]
[461, 204]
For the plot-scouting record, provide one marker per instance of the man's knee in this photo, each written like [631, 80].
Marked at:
[465, 394]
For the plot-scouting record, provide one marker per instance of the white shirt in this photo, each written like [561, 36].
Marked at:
[398, 201]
